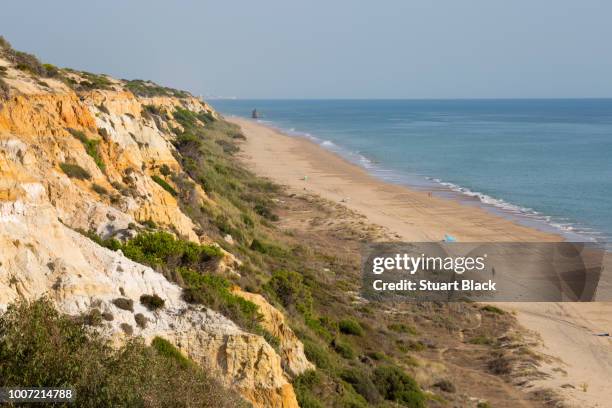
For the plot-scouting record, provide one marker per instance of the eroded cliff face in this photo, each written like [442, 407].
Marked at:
[41, 209]
[291, 348]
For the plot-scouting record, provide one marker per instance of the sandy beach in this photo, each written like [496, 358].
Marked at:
[581, 363]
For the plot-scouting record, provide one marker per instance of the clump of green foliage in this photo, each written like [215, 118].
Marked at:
[493, 309]
[22, 60]
[92, 146]
[164, 184]
[89, 81]
[189, 265]
[343, 349]
[215, 292]
[167, 349]
[5, 90]
[395, 385]
[303, 385]
[350, 326]
[42, 348]
[152, 302]
[75, 171]
[402, 328]
[99, 189]
[289, 289]
[148, 89]
[124, 304]
[162, 250]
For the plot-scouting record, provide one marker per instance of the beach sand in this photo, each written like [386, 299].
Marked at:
[566, 329]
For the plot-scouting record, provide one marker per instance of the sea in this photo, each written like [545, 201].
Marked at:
[545, 163]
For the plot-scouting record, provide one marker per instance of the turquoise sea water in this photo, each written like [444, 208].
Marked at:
[545, 163]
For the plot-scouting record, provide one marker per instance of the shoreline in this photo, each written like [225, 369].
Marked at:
[576, 357]
[411, 215]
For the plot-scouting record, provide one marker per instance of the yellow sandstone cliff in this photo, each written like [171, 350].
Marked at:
[41, 208]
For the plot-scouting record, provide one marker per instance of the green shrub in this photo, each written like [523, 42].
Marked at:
[92, 318]
[446, 386]
[75, 171]
[168, 350]
[350, 326]
[91, 147]
[362, 384]
[91, 81]
[147, 89]
[141, 320]
[164, 184]
[152, 302]
[377, 356]
[493, 309]
[124, 304]
[316, 354]
[402, 328]
[304, 386]
[27, 62]
[395, 385]
[5, 90]
[42, 348]
[99, 189]
[289, 288]
[215, 292]
[482, 340]
[127, 328]
[165, 170]
[343, 349]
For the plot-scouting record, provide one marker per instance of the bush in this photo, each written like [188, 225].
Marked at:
[90, 81]
[99, 189]
[395, 385]
[161, 249]
[152, 302]
[124, 304]
[493, 309]
[141, 320]
[127, 328]
[362, 384]
[42, 348]
[304, 385]
[402, 328]
[93, 318]
[446, 386]
[344, 349]
[91, 146]
[165, 170]
[164, 185]
[482, 340]
[75, 171]
[214, 292]
[167, 349]
[288, 287]
[5, 90]
[317, 354]
[350, 326]
[147, 89]
[266, 248]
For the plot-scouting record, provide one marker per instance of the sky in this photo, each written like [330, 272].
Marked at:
[330, 48]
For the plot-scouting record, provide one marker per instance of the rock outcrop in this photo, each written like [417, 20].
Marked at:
[42, 209]
[291, 348]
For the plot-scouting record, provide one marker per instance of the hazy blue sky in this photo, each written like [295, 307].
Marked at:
[330, 48]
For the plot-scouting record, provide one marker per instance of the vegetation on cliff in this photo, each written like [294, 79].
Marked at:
[42, 348]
